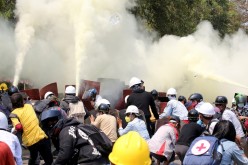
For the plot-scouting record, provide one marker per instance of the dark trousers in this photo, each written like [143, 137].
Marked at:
[44, 148]
[181, 151]
[149, 125]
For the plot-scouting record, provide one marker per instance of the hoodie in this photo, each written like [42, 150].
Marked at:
[10, 139]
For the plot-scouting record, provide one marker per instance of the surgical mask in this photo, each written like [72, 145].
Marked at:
[171, 97]
[200, 123]
[127, 119]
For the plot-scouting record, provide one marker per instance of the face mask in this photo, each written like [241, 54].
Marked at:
[200, 123]
[127, 119]
[171, 97]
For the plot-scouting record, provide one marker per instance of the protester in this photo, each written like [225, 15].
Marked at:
[196, 100]
[142, 100]
[225, 132]
[162, 144]
[130, 149]
[227, 114]
[6, 156]
[105, 121]
[134, 123]
[25, 120]
[187, 134]
[10, 139]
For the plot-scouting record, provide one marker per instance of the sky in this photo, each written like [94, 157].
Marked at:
[65, 41]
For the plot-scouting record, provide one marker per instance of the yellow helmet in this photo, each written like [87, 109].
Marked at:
[130, 149]
[3, 86]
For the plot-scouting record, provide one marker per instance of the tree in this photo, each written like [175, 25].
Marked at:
[181, 17]
[7, 9]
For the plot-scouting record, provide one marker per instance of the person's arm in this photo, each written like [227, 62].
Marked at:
[67, 143]
[122, 131]
[18, 151]
[239, 156]
[96, 122]
[153, 108]
[167, 111]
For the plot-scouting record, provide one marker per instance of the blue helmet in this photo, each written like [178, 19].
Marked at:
[92, 92]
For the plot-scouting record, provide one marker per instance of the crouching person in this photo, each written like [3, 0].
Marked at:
[162, 144]
[75, 147]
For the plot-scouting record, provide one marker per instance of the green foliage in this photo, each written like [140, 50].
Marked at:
[180, 17]
[7, 9]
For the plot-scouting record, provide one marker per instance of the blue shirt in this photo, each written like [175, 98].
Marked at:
[232, 154]
[137, 125]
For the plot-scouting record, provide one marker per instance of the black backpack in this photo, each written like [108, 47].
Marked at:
[101, 142]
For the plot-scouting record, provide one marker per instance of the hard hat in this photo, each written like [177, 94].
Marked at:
[130, 149]
[50, 114]
[49, 93]
[132, 109]
[102, 101]
[154, 92]
[3, 87]
[13, 90]
[196, 96]
[103, 107]
[206, 109]
[193, 115]
[171, 91]
[134, 81]
[220, 100]
[70, 90]
[182, 98]
[3, 121]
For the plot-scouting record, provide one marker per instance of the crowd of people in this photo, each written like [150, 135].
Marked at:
[140, 134]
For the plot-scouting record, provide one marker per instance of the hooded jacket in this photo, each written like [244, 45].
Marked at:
[64, 104]
[70, 139]
[10, 139]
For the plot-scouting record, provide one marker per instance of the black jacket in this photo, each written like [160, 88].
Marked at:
[69, 140]
[143, 100]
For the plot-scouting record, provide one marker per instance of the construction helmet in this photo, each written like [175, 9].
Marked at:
[50, 114]
[196, 96]
[49, 93]
[182, 98]
[103, 107]
[130, 149]
[13, 90]
[206, 109]
[134, 81]
[193, 115]
[70, 90]
[220, 100]
[132, 109]
[3, 86]
[171, 91]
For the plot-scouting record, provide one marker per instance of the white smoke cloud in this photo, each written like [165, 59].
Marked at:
[67, 41]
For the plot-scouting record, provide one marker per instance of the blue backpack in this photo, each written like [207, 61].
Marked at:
[203, 151]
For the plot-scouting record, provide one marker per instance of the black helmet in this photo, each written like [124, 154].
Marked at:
[175, 118]
[193, 115]
[103, 107]
[196, 96]
[50, 114]
[154, 92]
[182, 98]
[220, 100]
[13, 90]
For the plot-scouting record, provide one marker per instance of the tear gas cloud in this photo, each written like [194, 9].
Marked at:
[65, 41]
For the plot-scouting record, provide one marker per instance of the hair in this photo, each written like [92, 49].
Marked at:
[17, 100]
[224, 129]
[6, 156]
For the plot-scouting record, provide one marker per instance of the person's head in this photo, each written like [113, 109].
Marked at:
[182, 99]
[225, 129]
[171, 93]
[154, 94]
[193, 115]
[50, 117]
[221, 102]
[240, 100]
[131, 113]
[48, 95]
[103, 101]
[92, 94]
[3, 121]
[175, 121]
[195, 98]
[130, 149]
[206, 112]
[70, 90]
[3, 88]
[17, 100]
[12, 90]
[135, 83]
[103, 108]
[6, 156]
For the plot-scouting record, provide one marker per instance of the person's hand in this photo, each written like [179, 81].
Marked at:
[242, 117]
[119, 122]
[92, 118]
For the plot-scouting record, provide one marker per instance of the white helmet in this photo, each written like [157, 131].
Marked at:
[70, 90]
[102, 101]
[132, 109]
[206, 109]
[134, 81]
[3, 121]
[171, 91]
[49, 93]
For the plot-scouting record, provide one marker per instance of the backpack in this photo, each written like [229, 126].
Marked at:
[203, 151]
[100, 140]
[77, 111]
